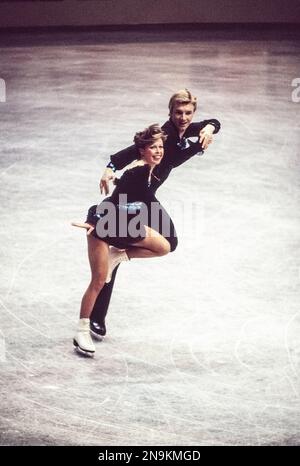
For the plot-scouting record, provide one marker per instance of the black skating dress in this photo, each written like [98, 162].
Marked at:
[120, 219]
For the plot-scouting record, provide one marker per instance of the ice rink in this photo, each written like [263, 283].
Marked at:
[203, 344]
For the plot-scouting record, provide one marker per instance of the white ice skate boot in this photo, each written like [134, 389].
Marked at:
[116, 256]
[82, 340]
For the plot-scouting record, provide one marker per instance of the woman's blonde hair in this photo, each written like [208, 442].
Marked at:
[148, 136]
[182, 97]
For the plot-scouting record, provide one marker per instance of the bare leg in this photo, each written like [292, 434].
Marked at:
[153, 245]
[98, 257]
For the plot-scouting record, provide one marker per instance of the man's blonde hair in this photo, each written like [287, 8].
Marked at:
[182, 97]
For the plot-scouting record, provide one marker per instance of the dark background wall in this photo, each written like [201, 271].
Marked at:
[130, 12]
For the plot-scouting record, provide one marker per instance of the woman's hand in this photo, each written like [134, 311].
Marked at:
[87, 226]
[206, 135]
[107, 176]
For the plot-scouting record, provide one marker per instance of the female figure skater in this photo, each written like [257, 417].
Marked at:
[131, 220]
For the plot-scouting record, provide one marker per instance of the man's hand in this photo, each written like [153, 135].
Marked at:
[107, 176]
[206, 135]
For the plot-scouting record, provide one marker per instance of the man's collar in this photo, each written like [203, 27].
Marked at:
[175, 129]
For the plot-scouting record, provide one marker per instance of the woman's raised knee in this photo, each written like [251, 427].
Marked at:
[163, 248]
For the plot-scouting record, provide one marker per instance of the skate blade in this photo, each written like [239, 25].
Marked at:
[82, 352]
[95, 336]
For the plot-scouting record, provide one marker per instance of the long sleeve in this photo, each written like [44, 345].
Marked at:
[182, 155]
[124, 157]
[195, 128]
